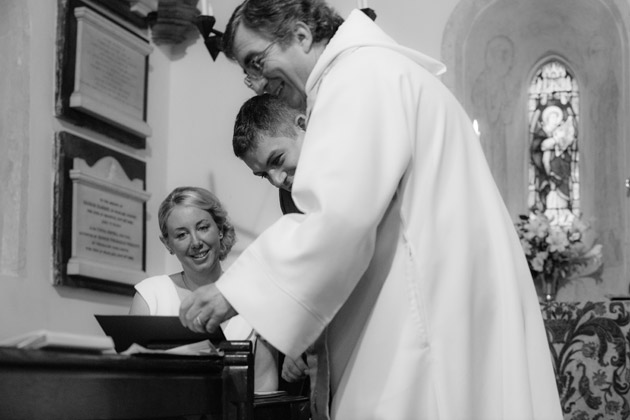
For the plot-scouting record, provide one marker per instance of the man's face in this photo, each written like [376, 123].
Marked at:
[282, 71]
[275, 159]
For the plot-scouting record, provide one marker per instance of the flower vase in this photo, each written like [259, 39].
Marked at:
[548, 286]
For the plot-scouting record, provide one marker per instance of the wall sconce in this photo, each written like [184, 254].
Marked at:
[173, 22]
[178, 21]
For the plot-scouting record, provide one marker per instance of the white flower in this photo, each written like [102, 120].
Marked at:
[538, 226]
[538, 262]
[557, 240]
[556, 250]
[594, 252]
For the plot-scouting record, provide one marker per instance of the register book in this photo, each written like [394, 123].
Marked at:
[152, 332]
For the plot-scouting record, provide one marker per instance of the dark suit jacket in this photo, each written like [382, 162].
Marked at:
[286, 203]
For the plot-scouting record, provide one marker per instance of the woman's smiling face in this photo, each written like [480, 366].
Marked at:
[194, 238]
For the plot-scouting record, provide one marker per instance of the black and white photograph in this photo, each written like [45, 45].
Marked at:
[315, 210]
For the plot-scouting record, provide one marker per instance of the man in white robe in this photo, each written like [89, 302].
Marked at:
[405, 250]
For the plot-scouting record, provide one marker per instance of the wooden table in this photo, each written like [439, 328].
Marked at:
[45, 384]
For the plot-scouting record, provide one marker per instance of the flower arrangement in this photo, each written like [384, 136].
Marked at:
[556, 251]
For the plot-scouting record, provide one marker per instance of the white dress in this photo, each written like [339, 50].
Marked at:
[405, 250]
[160, 294]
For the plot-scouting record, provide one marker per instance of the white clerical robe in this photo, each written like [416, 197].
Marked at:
[405, 249]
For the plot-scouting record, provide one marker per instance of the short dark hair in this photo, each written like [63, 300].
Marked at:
[275, 19]
[204, 200]
[262, 115]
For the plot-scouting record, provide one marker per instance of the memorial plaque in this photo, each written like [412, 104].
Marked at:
[110, 72]
[107, 222]
[99, 218]
[102, 68]
[107, 227]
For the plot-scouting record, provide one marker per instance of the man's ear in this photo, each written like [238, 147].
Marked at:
[300, 121]
[303, 36]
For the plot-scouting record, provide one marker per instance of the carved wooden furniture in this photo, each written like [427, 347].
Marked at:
[52, 385]
[590, 348]
[39, 384]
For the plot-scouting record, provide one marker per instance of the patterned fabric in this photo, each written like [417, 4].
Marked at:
[589, 344]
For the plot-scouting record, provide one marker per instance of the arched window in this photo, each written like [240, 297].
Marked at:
[554, 183]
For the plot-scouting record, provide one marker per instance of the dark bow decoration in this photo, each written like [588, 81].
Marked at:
[211, 37]
[371, 13]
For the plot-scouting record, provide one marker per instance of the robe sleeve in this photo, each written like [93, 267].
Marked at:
[294, 278]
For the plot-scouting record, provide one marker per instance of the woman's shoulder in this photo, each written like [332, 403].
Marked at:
[154, 281]
[160, 294]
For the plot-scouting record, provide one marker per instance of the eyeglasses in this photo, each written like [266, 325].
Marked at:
[254, 69]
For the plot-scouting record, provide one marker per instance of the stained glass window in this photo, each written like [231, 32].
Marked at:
[554, 182]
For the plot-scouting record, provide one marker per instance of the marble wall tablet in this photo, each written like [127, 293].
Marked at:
[107, 222]
[102, 69]
[99, 216]
[110, 70]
